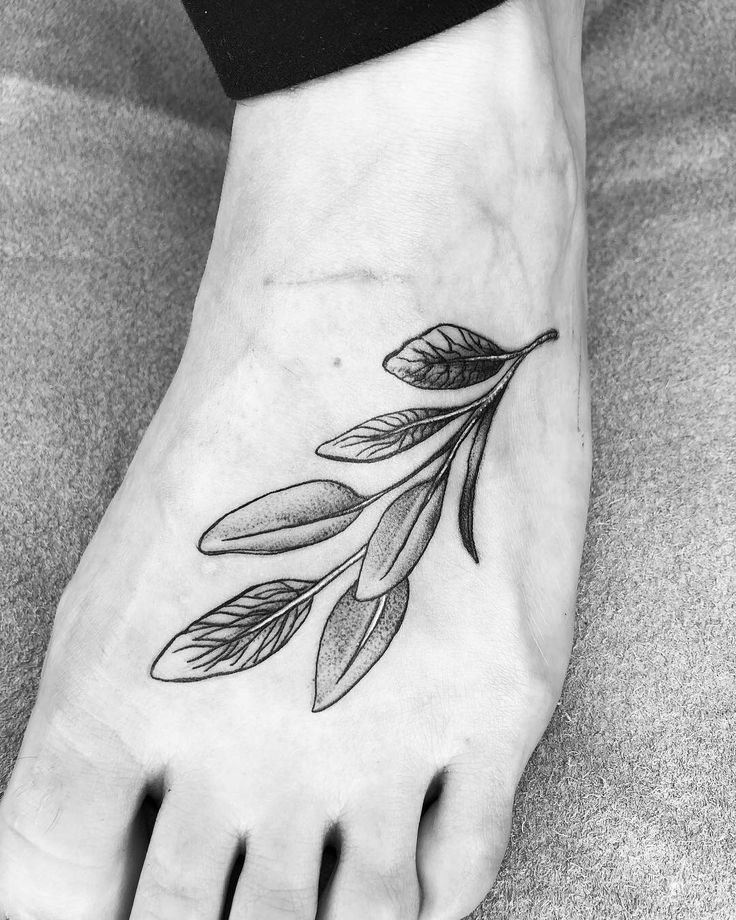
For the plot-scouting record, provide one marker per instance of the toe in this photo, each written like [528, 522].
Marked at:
[462, 840]
[70, 844]
[280, 876]
[188, 861]
[376, 877]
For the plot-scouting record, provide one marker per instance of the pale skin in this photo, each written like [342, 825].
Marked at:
[442, 184]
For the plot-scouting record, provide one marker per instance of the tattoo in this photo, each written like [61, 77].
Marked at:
[249, 628]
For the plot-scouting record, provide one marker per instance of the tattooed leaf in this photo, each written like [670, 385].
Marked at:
[446, 357]
[467, 497]
[400, 538]
[238, 635]
[475, 457]
[356, 635]
[287, 519]
[386, 435]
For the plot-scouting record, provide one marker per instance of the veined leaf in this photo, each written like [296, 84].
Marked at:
[356, 635]
[400, 538]
[446, 357]
[387, 435]
[238, 635]
[298, 516]
[475, 457]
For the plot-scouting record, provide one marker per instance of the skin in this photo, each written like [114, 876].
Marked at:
[440, 184]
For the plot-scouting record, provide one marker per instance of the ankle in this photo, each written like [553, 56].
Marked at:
[362, 169]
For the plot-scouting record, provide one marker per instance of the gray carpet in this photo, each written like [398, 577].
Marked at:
[114, 137]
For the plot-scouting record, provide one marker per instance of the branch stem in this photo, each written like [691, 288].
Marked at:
[451, 446]
[446, 452]
[316, 587]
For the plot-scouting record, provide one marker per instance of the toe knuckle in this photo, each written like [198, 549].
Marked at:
[165, 895]
[396, 894]
[285, 901]
[392, 911]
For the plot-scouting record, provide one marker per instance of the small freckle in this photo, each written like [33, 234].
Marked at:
[337, 362]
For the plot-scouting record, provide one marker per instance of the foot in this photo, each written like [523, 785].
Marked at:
[389, 712]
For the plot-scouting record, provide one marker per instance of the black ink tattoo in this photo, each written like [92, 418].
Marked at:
[255, 624]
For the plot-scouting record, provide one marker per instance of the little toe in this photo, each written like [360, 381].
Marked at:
[188, 861]
[462, 841]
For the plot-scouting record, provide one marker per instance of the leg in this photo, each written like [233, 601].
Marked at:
[442, 184]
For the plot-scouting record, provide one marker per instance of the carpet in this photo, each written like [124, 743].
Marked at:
[114, 136]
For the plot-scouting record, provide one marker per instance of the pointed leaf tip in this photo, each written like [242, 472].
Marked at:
[400, 538]
[356, 635]
[387, 435]
[466, 510]
[239, 634]
[284, 520]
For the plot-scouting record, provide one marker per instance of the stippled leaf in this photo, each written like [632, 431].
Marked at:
[356, 635]
[400, 538]
[446, 357]
[467, 497]
[237, 635]
[475, 457]
[387, 435]
[287, 519]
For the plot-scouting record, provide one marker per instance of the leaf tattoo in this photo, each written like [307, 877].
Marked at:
[386, 435]
[287, 519]
[446, 358]
[251, 627]
[399, 540]
[475, 457]
[356, 635]
[239, 634]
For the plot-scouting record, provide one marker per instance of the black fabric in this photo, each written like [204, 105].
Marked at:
[258, 46]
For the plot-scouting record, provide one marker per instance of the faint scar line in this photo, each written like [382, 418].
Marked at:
[360, 274]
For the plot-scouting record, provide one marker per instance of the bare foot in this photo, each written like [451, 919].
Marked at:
[440, 186]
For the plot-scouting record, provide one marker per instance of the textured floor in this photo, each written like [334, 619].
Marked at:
[114, 137]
